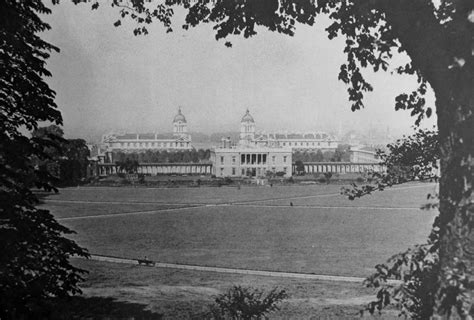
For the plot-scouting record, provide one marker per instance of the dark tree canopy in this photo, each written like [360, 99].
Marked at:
[34, 264]
[438, 37]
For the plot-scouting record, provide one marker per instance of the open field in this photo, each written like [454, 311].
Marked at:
[227, 227]
[191, 195]
[307, 229]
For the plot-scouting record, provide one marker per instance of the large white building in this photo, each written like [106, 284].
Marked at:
[136, 142]
[309, 141]
[248, 158]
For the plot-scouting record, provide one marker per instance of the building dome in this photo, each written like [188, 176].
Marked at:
[247, 117]
[179, 117]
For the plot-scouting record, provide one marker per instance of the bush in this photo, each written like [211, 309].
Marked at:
[280, 173]
[328, 176]
[246, 303]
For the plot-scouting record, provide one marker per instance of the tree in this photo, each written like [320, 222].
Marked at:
[438, 37]
[34, 264]
[128, 165]
[246, 303]
[299, 167]
[67, 159]
[412, 158]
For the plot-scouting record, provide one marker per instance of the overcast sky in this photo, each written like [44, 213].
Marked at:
[107, 79]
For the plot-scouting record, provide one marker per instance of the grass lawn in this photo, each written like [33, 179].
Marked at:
[179, 294]
[207, 195]
[410, 196]
[253, 227]
[323, 241]
[71, 209]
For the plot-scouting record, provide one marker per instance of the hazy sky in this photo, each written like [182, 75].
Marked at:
[108, 79]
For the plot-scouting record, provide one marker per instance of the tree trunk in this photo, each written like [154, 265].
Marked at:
[455, 109]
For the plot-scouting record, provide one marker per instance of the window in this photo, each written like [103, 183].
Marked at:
[273, 159]
[284, 143]
[284, 159]
[285, 169]
[222, 171]
[243, 172]
[233, 160]
[233, 171]
[222, 160]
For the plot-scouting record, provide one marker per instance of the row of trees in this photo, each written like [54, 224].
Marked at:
[149, 156]
[341, 154]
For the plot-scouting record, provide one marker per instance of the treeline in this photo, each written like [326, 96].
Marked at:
[341, 154]
[64, 160]
[150, 156]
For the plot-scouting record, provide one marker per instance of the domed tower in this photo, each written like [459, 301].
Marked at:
[247, 128]
[180, 126]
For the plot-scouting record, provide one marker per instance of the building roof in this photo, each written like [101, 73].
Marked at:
[179, 117]
[247, 117]
[126, 136]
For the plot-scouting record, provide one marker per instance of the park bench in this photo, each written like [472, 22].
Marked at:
[146, 262]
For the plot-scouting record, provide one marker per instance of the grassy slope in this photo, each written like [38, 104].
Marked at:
[180, 294]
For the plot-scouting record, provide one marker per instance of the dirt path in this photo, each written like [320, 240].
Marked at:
[234, 271]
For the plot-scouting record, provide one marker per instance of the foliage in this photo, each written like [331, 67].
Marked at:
[247, 303]
[412, 158]
[328, 176]
[299, 167]
[280, 173]
[341, 154]
[34, 264]
[67, 159]
[149, 156]
[128, 165]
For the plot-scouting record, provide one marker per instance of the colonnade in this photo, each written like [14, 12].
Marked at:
[340, 167]
[105, 169]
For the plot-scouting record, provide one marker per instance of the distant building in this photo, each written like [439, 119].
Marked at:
[309, 141]
[241, 161]
[137, 142]
[248, 158]
[364, 155]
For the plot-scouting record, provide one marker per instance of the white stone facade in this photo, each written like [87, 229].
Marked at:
[249, 158]
[310, 141]
[241, 161]
[135, 142]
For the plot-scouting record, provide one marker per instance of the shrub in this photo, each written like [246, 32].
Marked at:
[246, 303]
[328, 176]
